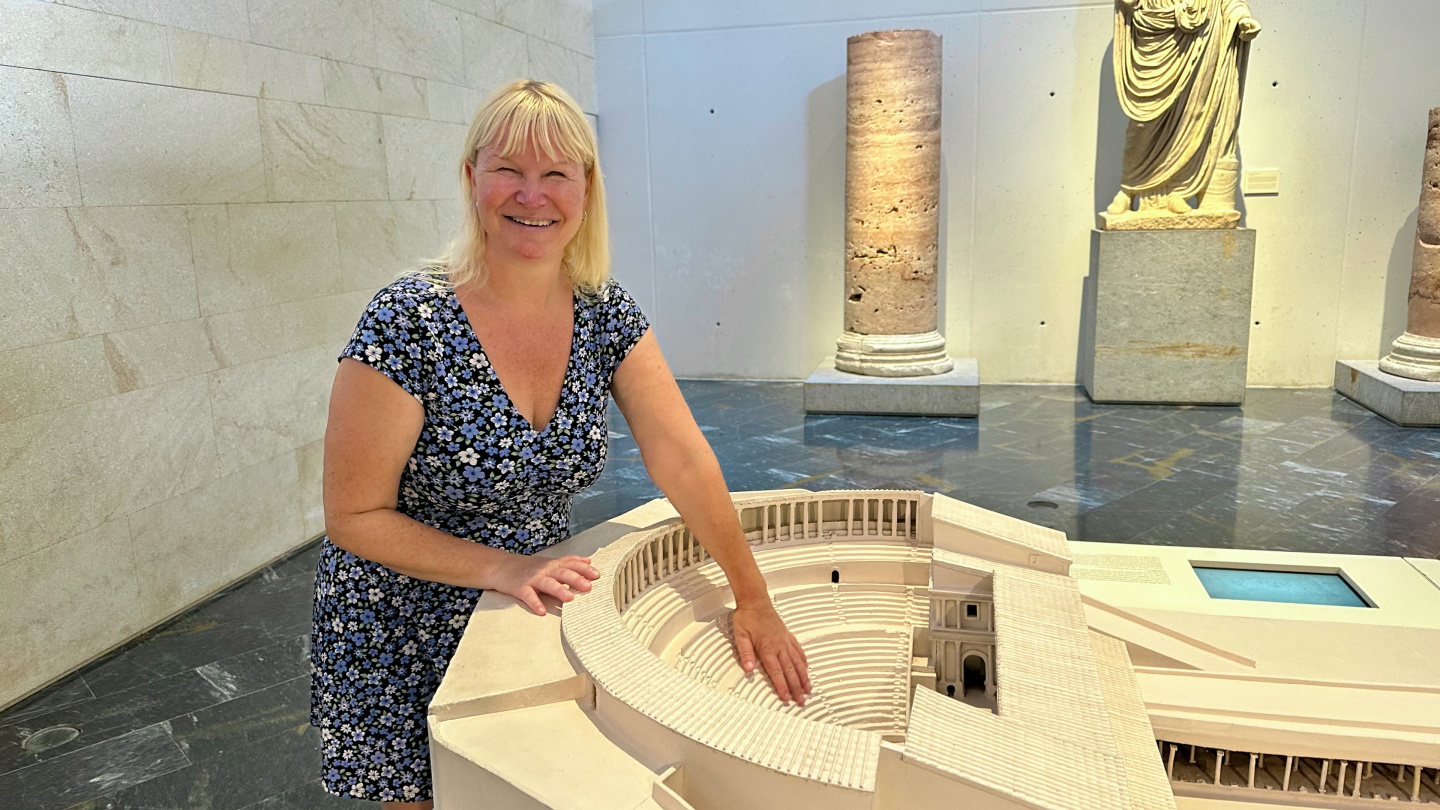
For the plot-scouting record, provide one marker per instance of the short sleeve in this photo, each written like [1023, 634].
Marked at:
[390, 338]
[623, 323]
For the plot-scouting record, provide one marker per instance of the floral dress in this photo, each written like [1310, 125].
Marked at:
[479, 470]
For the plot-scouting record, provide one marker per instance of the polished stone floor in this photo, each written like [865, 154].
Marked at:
[210, 711]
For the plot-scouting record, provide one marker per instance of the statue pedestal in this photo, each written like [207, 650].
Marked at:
[1166, 316]
[954, 393]
[1406, 402]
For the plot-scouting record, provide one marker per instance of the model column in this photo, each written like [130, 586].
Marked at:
[892, 230]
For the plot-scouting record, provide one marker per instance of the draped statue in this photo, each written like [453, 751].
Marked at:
[1180, 75]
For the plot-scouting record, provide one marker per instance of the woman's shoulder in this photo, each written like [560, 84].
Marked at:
[414, 289]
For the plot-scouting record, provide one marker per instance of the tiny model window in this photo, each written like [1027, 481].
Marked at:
[1294, 587]
[972, 610]
[835, 575]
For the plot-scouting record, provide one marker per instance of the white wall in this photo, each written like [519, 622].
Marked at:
[727, 225]
[196, 201]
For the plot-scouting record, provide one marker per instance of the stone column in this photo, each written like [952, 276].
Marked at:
[892, 206]
[1416, 354]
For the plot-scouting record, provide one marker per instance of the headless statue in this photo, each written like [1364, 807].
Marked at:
[1180, 76]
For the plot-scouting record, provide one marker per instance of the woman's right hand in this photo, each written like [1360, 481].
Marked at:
[526, 577]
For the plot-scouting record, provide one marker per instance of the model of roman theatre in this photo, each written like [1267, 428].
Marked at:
[960, 658]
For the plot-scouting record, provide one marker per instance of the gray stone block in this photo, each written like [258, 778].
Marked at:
[954, 393]
[1406, 402]
[1167, 316]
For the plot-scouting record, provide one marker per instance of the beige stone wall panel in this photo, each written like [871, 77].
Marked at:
[151, 355]
[892, 182]
[333, 29]
[208, 150]
[448, 102]
[321, 153]
[357, 87]
[37, 165]
[422, 158]
[573, 71]
[226, 18]
[242, 337]
[70, 40]
[379, 240]
[53, 376]
[271, 406]
[74, 272]
[494, 55]
[205, 62]
[101, 461]
[216, 532]
[310, 464]
[421, 38]
[88, 575]
[249, 256]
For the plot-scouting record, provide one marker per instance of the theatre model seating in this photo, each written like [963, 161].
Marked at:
[960, 658]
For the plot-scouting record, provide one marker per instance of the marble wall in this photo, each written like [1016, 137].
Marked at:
[196, 201]
[738, 257]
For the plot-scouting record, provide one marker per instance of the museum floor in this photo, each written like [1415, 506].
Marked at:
[210, 710]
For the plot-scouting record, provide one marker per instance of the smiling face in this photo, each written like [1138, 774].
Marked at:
[530, 206]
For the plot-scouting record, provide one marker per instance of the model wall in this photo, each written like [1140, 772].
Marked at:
[199, 199]
[724, 145]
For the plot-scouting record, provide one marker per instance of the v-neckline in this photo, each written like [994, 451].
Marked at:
[495, 375]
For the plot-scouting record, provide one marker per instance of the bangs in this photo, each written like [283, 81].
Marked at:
[535, 117]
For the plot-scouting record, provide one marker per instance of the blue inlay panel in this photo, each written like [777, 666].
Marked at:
[1300, 588]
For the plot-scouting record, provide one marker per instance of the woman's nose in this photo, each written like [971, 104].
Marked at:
[529, 193]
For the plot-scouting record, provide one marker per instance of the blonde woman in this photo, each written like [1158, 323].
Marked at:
[468, 409]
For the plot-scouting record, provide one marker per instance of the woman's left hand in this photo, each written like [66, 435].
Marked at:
[760, 634]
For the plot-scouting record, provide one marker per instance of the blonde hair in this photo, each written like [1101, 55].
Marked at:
[526, 112]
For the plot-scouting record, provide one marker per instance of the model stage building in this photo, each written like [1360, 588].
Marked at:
[892, 234]
[1180, 76]
[1404, 386]
[960, 658]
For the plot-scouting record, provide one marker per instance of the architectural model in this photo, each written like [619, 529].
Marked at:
[1180, 76]
[1416, 354]
[960, 658]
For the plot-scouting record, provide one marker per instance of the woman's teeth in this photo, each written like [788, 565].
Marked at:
[534, 223]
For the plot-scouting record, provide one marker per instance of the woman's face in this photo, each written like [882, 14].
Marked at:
[529, 205]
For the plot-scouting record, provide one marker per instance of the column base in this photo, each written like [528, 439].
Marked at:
[1414, 356]
[892, 355]
[1404, 401]
[953, 393]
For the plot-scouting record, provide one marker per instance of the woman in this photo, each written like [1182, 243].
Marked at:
[466, 412]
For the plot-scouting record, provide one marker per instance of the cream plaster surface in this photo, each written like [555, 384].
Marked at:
[200, 199]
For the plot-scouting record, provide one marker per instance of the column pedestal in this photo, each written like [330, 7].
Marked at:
[1406, 402]
[1167, 316]
[954, 393]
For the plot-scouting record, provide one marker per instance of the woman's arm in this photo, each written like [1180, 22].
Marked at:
[371, 433]
[683, 466]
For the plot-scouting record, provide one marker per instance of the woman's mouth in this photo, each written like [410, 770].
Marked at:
[532, 223]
